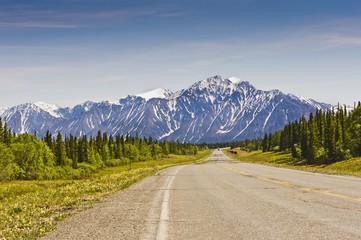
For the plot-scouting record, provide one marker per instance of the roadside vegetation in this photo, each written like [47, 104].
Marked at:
[43, 181]
[29, 209]
[328, 141]
[25, 157]
[283, 159]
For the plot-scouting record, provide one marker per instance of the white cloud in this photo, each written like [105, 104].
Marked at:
[33, 18]
[338, 40]
[34, 24]
[27, 72]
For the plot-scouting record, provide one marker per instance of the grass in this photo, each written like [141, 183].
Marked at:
[29, 209]
[279, 159]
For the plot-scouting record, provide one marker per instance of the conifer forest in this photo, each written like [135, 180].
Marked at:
[26, 157]
[323, 138]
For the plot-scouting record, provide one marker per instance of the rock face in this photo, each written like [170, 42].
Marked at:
[211, 110]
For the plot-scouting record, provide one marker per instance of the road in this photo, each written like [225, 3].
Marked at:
[223, 199]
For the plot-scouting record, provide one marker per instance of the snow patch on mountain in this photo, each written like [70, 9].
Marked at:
[156, 93]
[87, 105]
[52, 109]
[234, 80]
[307, 101]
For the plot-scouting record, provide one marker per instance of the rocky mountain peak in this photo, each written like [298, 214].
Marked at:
[212, 110]
[156, 93]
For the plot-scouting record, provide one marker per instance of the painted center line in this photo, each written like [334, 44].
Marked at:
[290, 185]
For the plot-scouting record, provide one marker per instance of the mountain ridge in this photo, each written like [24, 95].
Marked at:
[210, 110]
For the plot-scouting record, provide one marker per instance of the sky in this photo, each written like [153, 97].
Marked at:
[70, 51]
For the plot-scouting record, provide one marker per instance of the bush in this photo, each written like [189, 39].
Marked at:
[144, 158]
[86, 169]
[276, 149]
[320, 155]
[116, 162]
[296, 151]
[66, 172]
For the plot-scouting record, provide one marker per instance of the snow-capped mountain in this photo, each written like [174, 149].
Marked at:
[32, 117]
[156, 93]
[211, 110]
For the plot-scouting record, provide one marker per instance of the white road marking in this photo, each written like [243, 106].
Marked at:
[157, 222]
[162, 233]
[153, 214]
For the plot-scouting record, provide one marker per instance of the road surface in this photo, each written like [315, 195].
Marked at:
[223, 199]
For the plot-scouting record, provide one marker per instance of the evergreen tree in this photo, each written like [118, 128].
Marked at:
[60, 150]
[122, 143]
[355, 131]
[49, 140]
[118, 151]
[312, 140]
[105, 153]
[99, 141]
[1, 132]
[165, 148]
[7, 134]
[83, 146]
[111, 147]
[73, 151]
[105, 139]
[265, 143]
[330, 135]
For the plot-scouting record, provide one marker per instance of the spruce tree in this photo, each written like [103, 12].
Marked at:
[60, 150]
[7, 134]
[122, 143]
[83, 147]
[312, 139]
[304, 139]
[330, 136]
[73, 155]
[1, 131]
[265, 143]
[118, 152]
[355, 131]
[99, 141]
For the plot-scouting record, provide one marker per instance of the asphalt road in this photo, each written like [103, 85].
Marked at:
[223, 199]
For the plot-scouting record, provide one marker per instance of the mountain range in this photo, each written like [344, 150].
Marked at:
[211, 110]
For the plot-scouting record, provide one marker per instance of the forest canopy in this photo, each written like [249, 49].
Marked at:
[57, 157]
[324, 137]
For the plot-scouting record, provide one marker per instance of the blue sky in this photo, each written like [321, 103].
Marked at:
[70, 51]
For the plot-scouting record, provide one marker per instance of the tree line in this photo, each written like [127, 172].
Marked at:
[26, 156]
[325, 137]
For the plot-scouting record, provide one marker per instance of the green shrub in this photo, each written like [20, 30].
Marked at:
[116, 162]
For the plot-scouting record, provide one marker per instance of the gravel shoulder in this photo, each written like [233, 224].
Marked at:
[123, 215]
